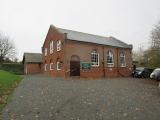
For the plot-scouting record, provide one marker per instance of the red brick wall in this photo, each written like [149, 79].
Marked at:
[54, 35]
[32, 68]
[83, 50]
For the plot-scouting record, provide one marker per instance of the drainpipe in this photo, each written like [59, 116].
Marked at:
[104, 73]
[26, 69]
[65, 62]
[117, 62]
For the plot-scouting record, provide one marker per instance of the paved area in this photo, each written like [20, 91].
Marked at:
[45, 98]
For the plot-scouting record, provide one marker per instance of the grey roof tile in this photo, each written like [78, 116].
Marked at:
[32, 57]
[85, 37]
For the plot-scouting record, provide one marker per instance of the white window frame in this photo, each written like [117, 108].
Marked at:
[51, 66]
[122, 55]
[95, 64]
[45, 67]
[58, 62]
[110, 54]
[51, 47]
[58, 45]
[45, 52]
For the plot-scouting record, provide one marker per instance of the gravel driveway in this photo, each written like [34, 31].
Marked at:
[44, 98]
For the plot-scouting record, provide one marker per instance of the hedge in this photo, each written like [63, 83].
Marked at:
[16, 68]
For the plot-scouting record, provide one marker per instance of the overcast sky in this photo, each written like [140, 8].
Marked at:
[27, 21]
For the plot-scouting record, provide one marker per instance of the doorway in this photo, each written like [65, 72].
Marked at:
[75, 66]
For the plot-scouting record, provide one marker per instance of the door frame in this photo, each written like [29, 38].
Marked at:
[75, 62]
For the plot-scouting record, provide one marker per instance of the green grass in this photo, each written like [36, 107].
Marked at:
[8, 82]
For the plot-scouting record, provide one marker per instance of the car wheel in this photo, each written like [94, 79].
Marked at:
[133, 75]
[142, 76]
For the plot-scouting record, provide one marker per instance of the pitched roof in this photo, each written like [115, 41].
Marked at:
[32, 58]
[85, 37]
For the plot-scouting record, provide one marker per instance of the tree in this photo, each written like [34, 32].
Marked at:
[7, 48]
[138, 56]
[151, 56]
[155, 37]
[154, 51]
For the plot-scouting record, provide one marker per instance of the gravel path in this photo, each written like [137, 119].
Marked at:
[44, 98]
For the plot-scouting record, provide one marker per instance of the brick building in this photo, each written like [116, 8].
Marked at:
[71, 53]
[32, 63]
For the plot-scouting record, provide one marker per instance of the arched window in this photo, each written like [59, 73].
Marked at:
[45, 52]
[110, 60]
[51, 47]
[45, 66]
[95, 58]
[58, 45]
[51, 65]
[122, 59]
[59, 64]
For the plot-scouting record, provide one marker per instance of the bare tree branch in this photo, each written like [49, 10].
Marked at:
[7, 48]
[155, 36]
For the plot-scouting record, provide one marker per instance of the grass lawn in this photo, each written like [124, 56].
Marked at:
[8, 82]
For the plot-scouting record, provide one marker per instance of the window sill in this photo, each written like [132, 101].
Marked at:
[123, 66]
[110, 66]
[95, 65]
[58, 50]
[59, 69]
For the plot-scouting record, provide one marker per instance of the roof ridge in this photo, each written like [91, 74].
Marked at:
[83, 32]
[92, 38]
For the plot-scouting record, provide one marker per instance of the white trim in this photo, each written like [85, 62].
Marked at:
[45, 52]
[51, 46]
[45, 67]
[95, 53]
[110, 64]
[110, 54]
[58, 65]
[123, 64]
[50, 66]
[58, 45]
[26, 69]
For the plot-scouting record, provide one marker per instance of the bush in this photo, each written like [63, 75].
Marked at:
[16, 68]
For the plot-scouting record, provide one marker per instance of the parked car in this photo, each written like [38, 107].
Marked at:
[155, 74]
[142, 72]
